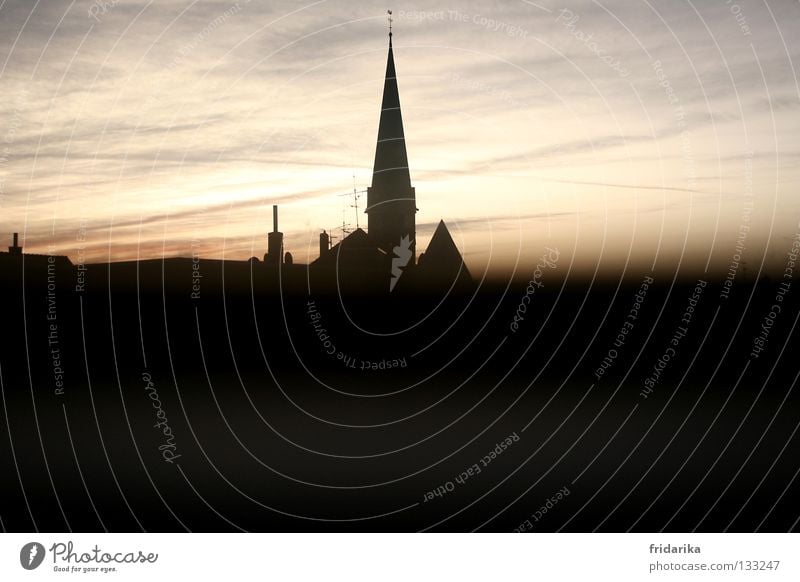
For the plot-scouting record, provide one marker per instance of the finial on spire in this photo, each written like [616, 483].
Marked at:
[390, 25]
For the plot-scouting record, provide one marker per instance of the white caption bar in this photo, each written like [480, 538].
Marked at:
[400, 557]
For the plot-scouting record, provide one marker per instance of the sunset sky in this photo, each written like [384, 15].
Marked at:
[620, 132]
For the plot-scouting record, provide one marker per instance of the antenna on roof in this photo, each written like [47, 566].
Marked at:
[356, 193]
[345, 225]
[390, 22]
[355, 198]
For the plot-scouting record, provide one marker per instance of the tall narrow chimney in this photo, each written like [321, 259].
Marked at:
[15, 249]
[275, 241]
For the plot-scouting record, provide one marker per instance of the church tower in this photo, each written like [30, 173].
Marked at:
[391, 201]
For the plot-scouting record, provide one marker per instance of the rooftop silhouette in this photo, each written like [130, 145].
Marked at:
[372, 260]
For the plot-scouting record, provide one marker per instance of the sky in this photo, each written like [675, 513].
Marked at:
[629, 135]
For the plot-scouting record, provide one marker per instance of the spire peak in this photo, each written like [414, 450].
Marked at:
[391, 161]
[390, 199]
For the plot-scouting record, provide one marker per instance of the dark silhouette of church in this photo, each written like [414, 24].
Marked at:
[387, 251]
[382, 259]
[391, 200]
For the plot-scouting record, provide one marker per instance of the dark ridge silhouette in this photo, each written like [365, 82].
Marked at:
[257, 380]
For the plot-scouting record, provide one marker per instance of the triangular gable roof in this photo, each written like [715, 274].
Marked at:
[442, 253]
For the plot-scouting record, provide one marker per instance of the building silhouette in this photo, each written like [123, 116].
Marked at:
[387, 250]
[31, 268]
[381, 259]
[391, 200]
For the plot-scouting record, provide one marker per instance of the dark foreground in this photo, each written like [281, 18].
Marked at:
[131, 405]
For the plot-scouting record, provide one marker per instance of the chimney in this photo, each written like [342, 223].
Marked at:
[15, 249]
[324, 243]
[274, 241]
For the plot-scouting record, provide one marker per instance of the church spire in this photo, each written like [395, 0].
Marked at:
[391, 159]
[391, 203]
